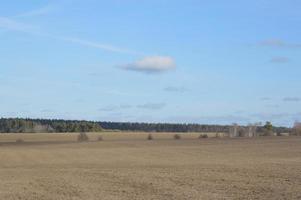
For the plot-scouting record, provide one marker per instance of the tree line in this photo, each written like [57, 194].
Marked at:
[163, 127]
[20, 125]
[17, 125]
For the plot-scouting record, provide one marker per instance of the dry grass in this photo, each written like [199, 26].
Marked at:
[109, 136]
[19, 140]
[126, 166]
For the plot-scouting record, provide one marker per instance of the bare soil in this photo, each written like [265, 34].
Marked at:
[128, 166]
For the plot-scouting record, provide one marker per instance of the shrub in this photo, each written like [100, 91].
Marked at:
[203, 136]
[82, 137]
[150, 137]
[100, 138]
[267, 133]
[19, 140]
[177, 137]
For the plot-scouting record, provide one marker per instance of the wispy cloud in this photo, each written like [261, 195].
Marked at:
[115, 108]
[151, 64]
[277, 118]
[146, 106]
[47, 111]
[175, 89]
[152, 106]
[39, 11]
[279, 43]
[265, 99]
[105, 47]
[292, 99]
[13, 25]
[279, 60]
[121, 93]
[107, 108]
[218, 119]
[272, 106]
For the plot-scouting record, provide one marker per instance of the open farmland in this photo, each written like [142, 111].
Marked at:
[127, 166]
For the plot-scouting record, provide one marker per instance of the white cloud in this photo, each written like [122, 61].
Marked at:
[152, 64]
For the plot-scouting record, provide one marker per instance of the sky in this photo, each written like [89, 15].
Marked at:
[192, 61]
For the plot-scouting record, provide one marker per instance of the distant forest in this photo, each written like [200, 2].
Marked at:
[18, 125]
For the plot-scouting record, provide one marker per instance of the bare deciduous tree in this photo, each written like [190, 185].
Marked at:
[297, 128]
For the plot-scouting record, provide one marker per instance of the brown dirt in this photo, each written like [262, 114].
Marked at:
[127, 166]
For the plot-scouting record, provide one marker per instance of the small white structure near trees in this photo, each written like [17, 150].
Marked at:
[233, 130]
[243, 131]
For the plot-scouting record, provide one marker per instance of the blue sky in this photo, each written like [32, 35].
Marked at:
[152, 61]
